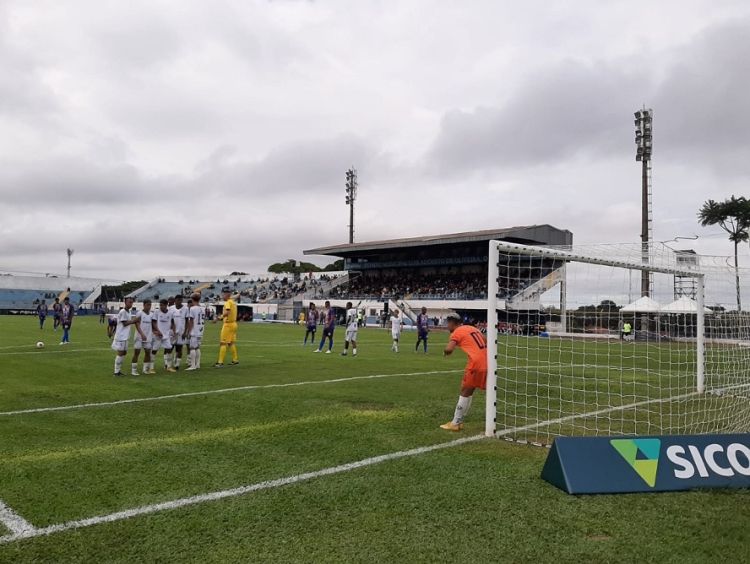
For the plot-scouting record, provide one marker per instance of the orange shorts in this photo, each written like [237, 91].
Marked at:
[475, 377]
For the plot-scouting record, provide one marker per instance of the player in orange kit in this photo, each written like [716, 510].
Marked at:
[470, 340]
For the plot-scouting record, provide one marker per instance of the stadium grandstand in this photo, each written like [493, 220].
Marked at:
[23, 292]
[258, 297]
[442, 273]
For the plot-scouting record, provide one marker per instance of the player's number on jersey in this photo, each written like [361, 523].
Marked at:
[478, 340]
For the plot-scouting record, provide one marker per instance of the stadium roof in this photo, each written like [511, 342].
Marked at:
[531, 234]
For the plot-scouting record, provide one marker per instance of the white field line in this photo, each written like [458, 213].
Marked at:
[565, 419]
[12, 521]
[18, 533]
[219, 391]
[270, 484]
[64, 349]
[226, 390]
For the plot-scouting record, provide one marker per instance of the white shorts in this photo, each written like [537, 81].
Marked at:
[396, 335]
[180, 340]
[120, 346]
[139, 344]
[195, 342]
[351, 335]
[161, 343]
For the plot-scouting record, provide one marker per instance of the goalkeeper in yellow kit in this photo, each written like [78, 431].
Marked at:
[228, 330]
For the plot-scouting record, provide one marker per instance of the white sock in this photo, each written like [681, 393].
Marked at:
[197, 358]
[354, 351]
[118, 364]
[462, 409]
[177, 362]
[134, 367]
[191, 358]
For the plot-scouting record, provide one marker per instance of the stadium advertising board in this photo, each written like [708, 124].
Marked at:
[589, 465]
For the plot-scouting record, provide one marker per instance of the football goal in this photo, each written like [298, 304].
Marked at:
[614, 340]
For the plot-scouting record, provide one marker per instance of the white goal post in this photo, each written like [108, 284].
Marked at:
[574, 348]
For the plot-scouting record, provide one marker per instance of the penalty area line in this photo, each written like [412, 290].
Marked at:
[218, 391]
[20, 533]
[17, 525]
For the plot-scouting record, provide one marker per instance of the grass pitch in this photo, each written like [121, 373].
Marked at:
[481, 502]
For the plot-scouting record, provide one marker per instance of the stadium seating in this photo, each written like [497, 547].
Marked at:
[458, 286]
[24, 299]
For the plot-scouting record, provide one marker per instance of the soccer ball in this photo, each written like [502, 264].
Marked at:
[40, 345]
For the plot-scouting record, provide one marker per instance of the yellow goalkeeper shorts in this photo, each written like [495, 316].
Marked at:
[229, 333]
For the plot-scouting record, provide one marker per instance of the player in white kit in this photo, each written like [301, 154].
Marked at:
[143, 340]
[351, 329]
[122, 334]
[396, 323]
[163, 325]
[195, 323]
[179, 312]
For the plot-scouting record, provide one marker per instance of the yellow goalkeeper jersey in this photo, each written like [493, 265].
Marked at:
[230, 311]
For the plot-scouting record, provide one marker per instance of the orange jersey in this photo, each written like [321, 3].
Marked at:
[472, 342]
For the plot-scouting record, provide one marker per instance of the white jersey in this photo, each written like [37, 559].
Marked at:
[145, 325]
[180, 318]
[164, 321]
[396, 324]
[351, 320]
[122, 333]
[197, 314]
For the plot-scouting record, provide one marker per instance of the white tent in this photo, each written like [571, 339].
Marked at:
[683, 305]
[642, 305]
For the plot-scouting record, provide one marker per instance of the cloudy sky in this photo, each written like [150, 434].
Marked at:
[174, 137]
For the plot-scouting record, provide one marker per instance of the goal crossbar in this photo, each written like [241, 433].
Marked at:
[563, 255]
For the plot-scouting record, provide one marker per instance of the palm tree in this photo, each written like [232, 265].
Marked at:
[733, 216]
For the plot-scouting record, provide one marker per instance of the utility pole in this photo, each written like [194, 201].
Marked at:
[70, 254]
[351, 195]
[644, 144]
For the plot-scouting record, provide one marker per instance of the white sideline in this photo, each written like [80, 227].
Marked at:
[12, 521]
[30, 531]
[218, 391]
[24, 533]
[504, 432]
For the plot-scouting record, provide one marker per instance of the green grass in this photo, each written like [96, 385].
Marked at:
[480, 502]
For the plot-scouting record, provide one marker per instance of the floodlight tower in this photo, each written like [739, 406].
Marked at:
[70, 254]
[644, 144]
[351, 195]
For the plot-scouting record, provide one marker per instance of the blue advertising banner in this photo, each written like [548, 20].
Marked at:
[589, 465]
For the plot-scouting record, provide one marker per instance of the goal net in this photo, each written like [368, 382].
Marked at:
[609, 340]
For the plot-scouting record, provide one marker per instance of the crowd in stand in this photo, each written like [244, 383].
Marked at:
[461, 286]
[443, 286]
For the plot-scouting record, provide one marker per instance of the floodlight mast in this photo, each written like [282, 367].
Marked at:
[70, 254]
[351, 196]
[644, 145]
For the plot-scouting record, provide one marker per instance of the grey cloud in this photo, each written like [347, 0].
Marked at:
[553, 115]
[69, 183]
[315, 166]
[698, 91]
[701, 109]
